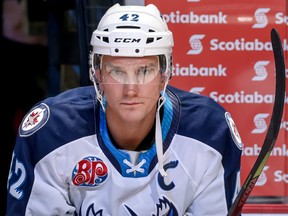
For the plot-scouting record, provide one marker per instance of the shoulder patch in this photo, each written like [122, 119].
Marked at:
[34, 120]
[233, 130]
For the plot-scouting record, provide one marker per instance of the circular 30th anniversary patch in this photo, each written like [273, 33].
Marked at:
[234, 132]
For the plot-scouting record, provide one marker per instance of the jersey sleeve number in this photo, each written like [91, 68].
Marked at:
[14, 188]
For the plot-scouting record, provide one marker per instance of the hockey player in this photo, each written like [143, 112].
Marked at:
[136, 146]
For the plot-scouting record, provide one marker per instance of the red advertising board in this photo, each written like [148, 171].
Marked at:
[223, 50]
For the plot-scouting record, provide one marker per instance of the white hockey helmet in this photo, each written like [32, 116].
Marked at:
[133, 31]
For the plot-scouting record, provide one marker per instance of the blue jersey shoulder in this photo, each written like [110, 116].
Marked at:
[202, 118]
[58, 120]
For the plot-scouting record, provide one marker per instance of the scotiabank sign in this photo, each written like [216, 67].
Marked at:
[223, 50]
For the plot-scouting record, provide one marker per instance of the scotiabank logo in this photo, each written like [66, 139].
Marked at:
[260, 123]
[240, 45]
[192, 71]
[261, 18]
[260, 70]
[194, 18]
[242, 97]
[195, 44]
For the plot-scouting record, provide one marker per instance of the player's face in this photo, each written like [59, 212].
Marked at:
[131, 86]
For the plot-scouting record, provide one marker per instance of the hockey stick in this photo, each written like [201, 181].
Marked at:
[273, 129]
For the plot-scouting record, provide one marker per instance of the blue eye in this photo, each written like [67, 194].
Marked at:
[115, 72]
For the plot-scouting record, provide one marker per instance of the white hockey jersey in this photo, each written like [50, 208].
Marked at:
[64, 162]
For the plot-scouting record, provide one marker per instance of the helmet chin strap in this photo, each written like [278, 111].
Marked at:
[158, 138]
[158, 132]
[99, 96]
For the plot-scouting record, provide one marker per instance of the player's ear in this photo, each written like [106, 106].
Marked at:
[99, 78]
[164, 79]
[98, 75]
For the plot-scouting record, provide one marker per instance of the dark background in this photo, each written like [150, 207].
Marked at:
[32, 72]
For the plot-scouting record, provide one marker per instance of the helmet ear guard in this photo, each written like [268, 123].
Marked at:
[165, 66]
[93, 78]
[94, 64]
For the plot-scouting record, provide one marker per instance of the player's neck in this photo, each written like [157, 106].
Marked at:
[129, 136]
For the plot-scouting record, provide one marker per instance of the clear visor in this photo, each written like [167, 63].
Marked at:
[142, 73]
[130, 74]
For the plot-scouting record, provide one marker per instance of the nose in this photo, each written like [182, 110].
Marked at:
[130, 89]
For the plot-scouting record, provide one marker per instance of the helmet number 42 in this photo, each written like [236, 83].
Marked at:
[133, 17]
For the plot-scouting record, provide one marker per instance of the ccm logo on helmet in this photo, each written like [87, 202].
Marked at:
[127, 40]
